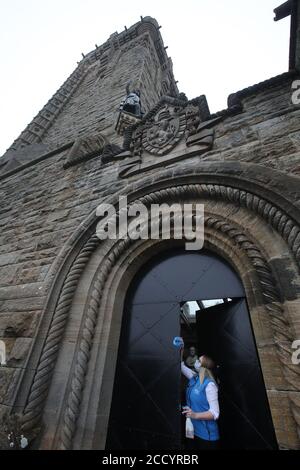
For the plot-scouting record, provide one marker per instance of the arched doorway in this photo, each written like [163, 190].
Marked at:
[146, 404]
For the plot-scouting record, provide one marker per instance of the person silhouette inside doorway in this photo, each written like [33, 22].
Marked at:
[192, 358]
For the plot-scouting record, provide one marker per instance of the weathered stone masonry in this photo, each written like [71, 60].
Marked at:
[244, 165]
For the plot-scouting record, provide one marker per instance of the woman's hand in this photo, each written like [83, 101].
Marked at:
[205, 415]
[189, 413]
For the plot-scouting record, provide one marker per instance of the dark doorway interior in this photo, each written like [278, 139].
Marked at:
[146, 403]
[221, 329]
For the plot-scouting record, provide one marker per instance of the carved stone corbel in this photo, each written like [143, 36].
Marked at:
[203, 135]
[85, 148]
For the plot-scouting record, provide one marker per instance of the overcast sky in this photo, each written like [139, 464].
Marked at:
[217, 47]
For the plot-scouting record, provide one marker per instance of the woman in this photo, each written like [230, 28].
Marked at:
[202, 404]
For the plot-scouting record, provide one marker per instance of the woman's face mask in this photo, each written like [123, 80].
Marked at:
[197, 365]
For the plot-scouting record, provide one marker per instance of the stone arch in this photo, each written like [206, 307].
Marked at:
[274, 216]
[228, 241]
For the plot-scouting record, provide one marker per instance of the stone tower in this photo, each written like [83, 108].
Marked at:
[62, 289]
[88, 102]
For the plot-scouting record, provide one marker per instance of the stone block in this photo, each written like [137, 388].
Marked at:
[8, 384]
[18, 324]
[17, 352]
[284, 423]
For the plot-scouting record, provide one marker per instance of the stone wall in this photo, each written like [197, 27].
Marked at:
[266, 133]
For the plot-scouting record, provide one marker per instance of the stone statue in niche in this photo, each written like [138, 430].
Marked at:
[132, 102]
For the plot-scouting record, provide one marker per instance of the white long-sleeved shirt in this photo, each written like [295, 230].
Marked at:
[211, 391]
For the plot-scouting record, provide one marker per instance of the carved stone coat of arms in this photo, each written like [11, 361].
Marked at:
[174, 129]
[164, 131]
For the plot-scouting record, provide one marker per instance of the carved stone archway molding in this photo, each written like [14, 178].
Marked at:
[283, 335]
[272, 214]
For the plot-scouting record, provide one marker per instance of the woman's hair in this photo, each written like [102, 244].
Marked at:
[207, 366]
